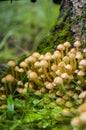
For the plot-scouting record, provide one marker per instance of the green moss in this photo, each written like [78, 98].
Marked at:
[61, 34]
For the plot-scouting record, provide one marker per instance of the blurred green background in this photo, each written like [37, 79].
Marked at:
[23, 24]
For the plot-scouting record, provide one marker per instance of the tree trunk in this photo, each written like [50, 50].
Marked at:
[70, 26]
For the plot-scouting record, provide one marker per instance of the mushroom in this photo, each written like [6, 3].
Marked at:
[83, 63]
[56, 56]
[72, 58]
[77, 44]
[82, 95]
[10, 80]
[48, 58]
[67, 46]
[61, 48]
[16, 71]
[66, 59]
[31, 60]
[34, 77]
[58, 81]
[12, 64]
[69, 68]
[65, 77]
[83, 118]
[36, 55]
[49, 85]
[24, 65]
[75, 122]
[44, 65]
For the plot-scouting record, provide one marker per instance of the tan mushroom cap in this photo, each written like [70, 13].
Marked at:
[30, 59]
[82, 62]
[82, 95]
[43, 64]
[67, 44]
[36, 54]
[68, 67]
[23, 64]
[60, 47]
[48, 56]
[33, 75]
[75, 122]
[56, 54]
[65, 76]
[9, 78]
[11, 63]
[77, 44]
[58, 80]
[80, 73]
[82, 108]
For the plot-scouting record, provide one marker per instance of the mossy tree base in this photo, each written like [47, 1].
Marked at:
[70, 26]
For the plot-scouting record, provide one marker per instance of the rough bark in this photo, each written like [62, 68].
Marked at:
[70, 26]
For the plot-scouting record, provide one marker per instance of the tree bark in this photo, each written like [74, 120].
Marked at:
[70, 26]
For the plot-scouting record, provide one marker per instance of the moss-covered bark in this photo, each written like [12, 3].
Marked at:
[70, 26]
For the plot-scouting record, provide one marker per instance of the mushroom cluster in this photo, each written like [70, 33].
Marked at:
[79, 122]
[61, 74]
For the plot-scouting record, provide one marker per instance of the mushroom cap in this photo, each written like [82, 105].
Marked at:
[33, 75]
[73, 50]
[41, 57]
[37, 64]
[60, 47]
[3, 80]
[82, 62]
[65, 112]
[49, 85]
[72, 55]
[9, 78]
[58, 80]
[66, 59]
[80, 73]
[22, 90]
[54, 67]
[23, 64]
[83, 118]
[65, 76]
[43, 64]
[82, 95]
[84, 50]
[68, 67]
[77, 44]
[79, 55]
[48, 56]
[11, 63]
[82, 108]
[20, 83]
[75, 122]
[58, 72]
[56, 54]
[16, 68]
[61, 64]
[36, 54]
[30, 59]
[20, 70]
[67, 44]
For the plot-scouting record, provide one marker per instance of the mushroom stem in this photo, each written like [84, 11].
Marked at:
[10, 87]
[46, 74]
[38, 82]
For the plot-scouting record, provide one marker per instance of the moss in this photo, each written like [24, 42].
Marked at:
[60, 34]
[62, 31]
